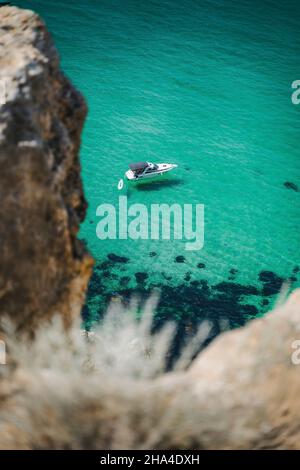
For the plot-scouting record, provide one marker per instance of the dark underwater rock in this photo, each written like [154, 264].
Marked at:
[141, 277]
[290, 185]
[85, 313]
[95, 286]
[235, 290]
[232, 274]
[117, 259]
[201, 265]
[271, 283]
[104, 265]
[249, 310]
[180, 259]
[152, 254]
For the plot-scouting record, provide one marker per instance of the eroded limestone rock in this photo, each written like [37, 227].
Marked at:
[44, 268]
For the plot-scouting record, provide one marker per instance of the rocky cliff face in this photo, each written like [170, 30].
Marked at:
[44, 268]
[241, 392]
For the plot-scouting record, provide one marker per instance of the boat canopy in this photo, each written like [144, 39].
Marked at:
[138, 166]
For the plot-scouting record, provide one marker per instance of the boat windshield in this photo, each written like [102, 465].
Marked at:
[152, 167]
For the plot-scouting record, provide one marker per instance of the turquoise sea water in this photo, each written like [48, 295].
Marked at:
[206, 85]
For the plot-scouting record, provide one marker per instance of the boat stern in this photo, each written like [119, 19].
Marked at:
[130, 175]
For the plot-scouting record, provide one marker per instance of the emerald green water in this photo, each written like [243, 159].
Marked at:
[205, 85]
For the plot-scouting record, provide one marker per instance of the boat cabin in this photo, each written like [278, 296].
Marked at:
[142, 168]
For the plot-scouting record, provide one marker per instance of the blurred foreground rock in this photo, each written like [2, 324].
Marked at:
[242, 392]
